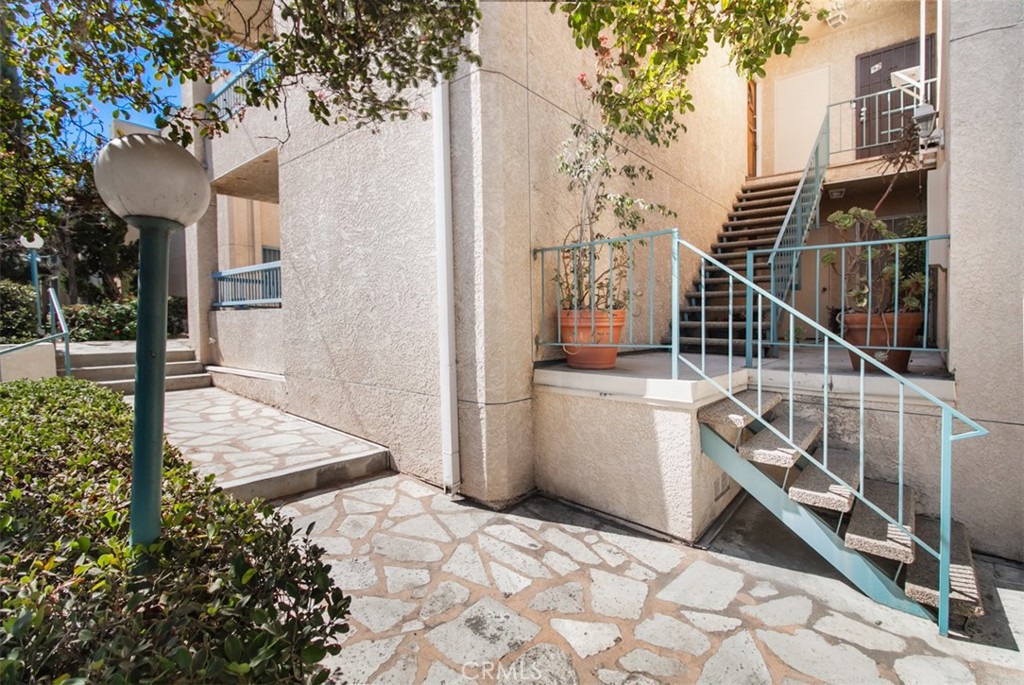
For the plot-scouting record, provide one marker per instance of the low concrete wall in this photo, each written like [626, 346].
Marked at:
[638, 460]
[248, 339]
[31, 363]
[262, 387]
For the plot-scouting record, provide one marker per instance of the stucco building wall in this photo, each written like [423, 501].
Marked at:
[985, 151]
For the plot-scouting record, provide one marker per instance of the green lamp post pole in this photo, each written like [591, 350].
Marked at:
[33, 246]
[157, 187]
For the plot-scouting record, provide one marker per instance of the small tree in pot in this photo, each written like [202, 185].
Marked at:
[884, 298]
[592, 280]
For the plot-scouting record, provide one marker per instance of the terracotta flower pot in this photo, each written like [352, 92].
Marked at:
[884, 333]
[584, 326]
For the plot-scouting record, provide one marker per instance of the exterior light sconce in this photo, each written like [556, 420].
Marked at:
[925, 117]
[836, 193]
[836, 15]
[158, 187]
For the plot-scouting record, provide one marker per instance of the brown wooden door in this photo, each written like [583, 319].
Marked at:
[881, 118]
[751, 128]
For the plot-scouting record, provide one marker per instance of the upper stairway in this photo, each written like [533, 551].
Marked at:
[754, 223]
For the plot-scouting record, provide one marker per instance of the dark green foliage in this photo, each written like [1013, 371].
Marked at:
[17, 312]
[117, 320]
[225, 595]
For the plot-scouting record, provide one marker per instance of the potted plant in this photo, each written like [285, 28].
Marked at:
[592, 280]
[870, 319]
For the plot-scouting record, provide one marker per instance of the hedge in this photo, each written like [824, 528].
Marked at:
[17, 312]
[227, 594]
[117, 320]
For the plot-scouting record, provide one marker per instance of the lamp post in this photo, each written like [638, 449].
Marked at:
[158, 187]
[33, 246]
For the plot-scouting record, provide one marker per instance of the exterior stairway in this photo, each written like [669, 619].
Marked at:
[810, 502]
[115, 369]
[754, 223]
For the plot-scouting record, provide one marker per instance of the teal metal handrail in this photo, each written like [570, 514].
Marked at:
[56, 320]
[248, 286]
[891, 246]
[904, 385]
[591, 291]
[230, 95]
[802, 212]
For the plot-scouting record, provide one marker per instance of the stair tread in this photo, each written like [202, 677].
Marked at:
[738, 345]
[782, 201]
[868, 532]
[727, 413]
[779, 191]
[923, 575]
[768, 448]
[813, 488]
[757, 242]
[686, 323]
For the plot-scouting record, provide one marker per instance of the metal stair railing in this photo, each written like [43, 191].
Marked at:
[905, 387]
[802, 212]
[57, 320]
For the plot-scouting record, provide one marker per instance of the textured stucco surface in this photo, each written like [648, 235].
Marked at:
[633, 460]
[248, 339]
[985, 150]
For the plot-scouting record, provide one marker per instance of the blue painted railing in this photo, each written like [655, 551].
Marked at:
[230, 95]
[249, 286]
[801, 216]
[608, 275]
[762, 303]
[886, 254]
[58, 331]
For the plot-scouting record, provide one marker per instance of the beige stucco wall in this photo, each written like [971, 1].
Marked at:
[248, 339]
[872, 25]
[985, 151]
[632, 459]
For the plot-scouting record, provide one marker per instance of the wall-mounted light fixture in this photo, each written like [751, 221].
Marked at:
[836, 15]
[836, 193]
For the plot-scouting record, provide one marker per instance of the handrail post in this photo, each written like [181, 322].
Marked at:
[945, 518]
[675, 305]
[749, 343]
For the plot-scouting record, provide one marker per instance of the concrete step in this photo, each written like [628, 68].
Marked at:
[737, 325]
[329, 472]
[772, 220]
[171, 383]
[81, 360]
[724, 280]
[768, 448]
[923, 575]
[813, 488]
[868, 532]
[713, 345]
[726, 418]
[127, 371]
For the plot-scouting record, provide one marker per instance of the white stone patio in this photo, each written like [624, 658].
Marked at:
[445, 592]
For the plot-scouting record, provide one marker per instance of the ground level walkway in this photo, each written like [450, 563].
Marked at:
[447, 592]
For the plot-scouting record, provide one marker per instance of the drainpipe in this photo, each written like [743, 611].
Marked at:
[922, 51]
[445, 291]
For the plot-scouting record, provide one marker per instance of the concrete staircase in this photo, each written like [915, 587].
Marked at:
[754, 223]
[845, 531]
[115, 369]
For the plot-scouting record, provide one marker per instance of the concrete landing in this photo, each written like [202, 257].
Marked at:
[258, 451]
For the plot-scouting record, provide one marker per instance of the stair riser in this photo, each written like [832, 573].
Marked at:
[89, 359]
[170, 384]
[127, 372]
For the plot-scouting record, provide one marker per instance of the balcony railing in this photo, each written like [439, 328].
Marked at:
[869, 124]
[231, 94]
[249, 286]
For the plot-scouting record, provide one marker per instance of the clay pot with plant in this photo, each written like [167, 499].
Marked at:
[592, 279]
[882, 305]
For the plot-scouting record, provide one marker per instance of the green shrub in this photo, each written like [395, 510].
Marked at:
[17, 312]
[225, 595]
[118, 320]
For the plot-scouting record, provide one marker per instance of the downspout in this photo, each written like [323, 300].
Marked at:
[452, 477]
[922, 51]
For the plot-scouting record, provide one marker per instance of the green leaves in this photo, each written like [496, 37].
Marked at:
[226, 595]
[647, 50]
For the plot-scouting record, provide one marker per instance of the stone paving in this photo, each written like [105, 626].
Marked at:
[444, 592]
[235, 438]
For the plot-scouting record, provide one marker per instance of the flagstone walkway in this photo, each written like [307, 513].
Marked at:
[445, 592]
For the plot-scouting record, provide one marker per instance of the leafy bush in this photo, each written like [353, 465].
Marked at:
[118, 320]
[17, 312]
[225, 595]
